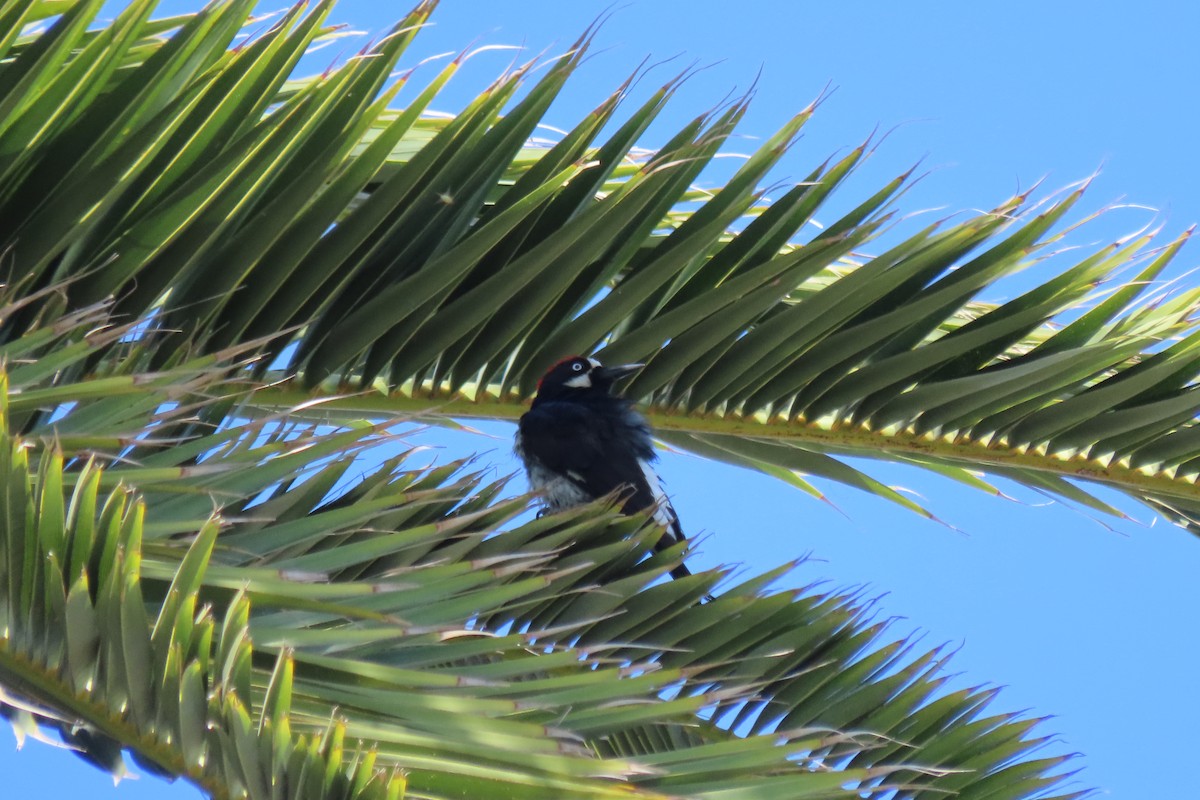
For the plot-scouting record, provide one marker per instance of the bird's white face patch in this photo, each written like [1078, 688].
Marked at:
[583, 380]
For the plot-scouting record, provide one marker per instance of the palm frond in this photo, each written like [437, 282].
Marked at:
[226, 580]
[445, 262]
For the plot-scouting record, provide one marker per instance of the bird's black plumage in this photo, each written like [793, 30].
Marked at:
[579, 442]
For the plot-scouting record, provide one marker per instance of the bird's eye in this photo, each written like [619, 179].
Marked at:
[577, 367]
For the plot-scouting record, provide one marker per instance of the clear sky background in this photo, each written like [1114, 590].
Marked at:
[1089, 624]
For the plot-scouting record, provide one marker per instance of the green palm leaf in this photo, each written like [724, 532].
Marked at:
[467, 647]
[446, 262]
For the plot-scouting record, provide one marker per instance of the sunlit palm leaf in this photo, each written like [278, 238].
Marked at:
[154, 162]
[472, 647]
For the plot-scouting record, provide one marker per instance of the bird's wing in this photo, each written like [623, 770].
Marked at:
[664, 512]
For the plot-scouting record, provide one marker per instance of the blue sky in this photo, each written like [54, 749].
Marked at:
[1076, 620]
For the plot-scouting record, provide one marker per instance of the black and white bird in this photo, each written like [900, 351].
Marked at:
[580, 442]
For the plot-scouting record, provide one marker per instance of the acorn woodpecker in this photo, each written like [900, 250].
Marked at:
[579, 442]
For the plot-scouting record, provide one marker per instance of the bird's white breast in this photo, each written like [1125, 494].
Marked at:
[558, 491]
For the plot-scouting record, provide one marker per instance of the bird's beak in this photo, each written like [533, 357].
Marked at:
[618, 372]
